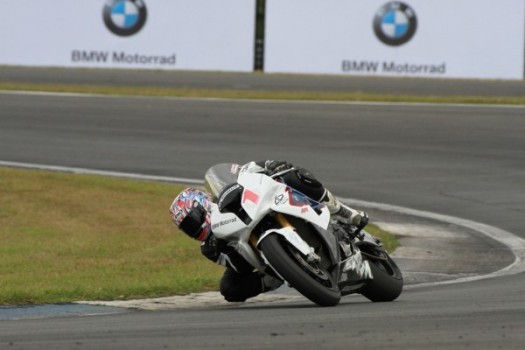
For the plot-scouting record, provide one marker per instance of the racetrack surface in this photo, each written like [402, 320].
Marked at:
[461, 161]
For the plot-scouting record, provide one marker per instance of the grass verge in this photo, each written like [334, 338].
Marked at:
[258, 94]
[68, 237]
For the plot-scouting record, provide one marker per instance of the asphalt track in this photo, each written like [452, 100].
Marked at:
[461, 161]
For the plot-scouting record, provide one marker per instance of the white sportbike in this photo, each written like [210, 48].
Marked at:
[282, 232]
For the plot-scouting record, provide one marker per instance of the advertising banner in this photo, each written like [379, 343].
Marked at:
[420, 38]
[147, 34]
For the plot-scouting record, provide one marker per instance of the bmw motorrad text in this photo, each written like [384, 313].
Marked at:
[224, 222]
[122, 58]
[392, 67]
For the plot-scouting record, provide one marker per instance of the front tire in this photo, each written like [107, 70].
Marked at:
[319, 288]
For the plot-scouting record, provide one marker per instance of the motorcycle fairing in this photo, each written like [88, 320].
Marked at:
[292, 237]
[259, 188]
[262, 194]
[223, 224]
[292, 202]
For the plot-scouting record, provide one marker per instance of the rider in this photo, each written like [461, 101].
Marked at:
[190, 212]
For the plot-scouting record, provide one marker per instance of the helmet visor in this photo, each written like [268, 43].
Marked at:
[192, 223]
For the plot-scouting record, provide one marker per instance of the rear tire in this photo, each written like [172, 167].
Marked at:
[387, 283]
[279, 253]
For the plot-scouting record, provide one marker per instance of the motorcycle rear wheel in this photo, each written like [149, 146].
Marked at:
[318, 287]
[387, 283]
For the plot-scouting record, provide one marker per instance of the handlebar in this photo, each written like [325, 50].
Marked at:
[353, 231]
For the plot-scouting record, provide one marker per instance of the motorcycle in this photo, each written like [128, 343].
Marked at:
[282, 232]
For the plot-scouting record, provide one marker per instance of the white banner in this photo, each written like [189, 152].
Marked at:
[156, 34]
[422, 38]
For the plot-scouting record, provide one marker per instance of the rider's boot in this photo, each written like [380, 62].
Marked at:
[270, 283]
[343, 213]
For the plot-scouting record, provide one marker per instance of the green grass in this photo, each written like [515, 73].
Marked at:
[259, 94]
[67, 237]
[72, 237]
[388, 240]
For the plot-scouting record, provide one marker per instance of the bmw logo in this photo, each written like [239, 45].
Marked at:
[395, 23]
[124, 17]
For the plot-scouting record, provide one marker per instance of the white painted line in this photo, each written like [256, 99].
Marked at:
[514, 243]
[247, 100]
[100, 172]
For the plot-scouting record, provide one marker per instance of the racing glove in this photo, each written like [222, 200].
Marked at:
[360, 220]
[213, 247]
[272, 167]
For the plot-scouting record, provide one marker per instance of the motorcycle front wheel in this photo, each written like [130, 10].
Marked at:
[309, 279]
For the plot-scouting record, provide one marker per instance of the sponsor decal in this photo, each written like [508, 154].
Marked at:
[177, 216]
[81, 56]
[378, 67]
[250, 196]
[360, 266]
[235, 168]
[280, 199]
[124, 17]
[298, 199]
[395, 23]
[223, 222]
